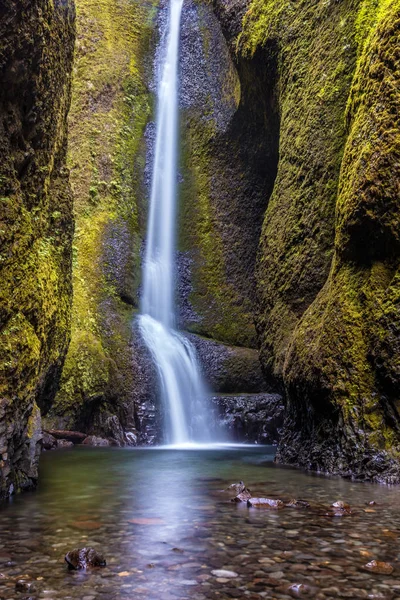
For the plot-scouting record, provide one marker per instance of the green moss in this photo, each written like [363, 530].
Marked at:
[36, 225]
[110, 108]
[346, 342]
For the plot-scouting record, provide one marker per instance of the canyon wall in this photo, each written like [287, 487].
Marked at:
[288, 231]
[327, 268]
[36, 225]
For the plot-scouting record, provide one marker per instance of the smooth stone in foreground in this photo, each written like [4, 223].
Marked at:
[221, 573]
[265, 503]
[376, 566]
[83, 558]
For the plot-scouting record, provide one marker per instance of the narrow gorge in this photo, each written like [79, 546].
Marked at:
[199, 299]
[288, 231]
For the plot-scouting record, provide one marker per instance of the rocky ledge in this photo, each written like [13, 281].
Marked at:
[253, 418]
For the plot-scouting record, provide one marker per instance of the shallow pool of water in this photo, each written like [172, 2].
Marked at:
[163, 525]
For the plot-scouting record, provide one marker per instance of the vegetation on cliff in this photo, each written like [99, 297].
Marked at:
[327, 281]
[110, 108]
[36, 225]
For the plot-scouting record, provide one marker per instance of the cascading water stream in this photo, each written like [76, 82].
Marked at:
[182, 388]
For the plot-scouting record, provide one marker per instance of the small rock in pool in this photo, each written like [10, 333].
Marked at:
[84, 558]
[266, 503]
[236, 488]
[64, 444]
[243, 496]
[301, 590]
[297, 504]
[341, 505]
[25, 586]
[221, 573]
[93, 440]
[48, 441]
[376, 566]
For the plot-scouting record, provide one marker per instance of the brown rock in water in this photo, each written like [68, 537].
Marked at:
[236, 488]
[243, 496]
[341, 505]
[339, 509]
[297, 504]
[64, 444]
[301, 590]
[84, 558]
[381, 568]
[25, 586]
[49, 442]
[265, 503]
[92, 440]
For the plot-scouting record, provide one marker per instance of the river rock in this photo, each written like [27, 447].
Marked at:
[84, 558]
[243, 496]
[341, 505]
[222, 573]
[266, 503]
[297, 504]
[64, 444]
[236, 488]
[49, 442]
[250, 418]
[376, 566]
[92, 440]
[24, 586]
[301, 590]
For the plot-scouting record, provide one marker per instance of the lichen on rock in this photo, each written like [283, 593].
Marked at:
[327, 281]
[36, 225]
[111, 105]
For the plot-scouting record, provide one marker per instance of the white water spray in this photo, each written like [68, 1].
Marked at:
[182, 389]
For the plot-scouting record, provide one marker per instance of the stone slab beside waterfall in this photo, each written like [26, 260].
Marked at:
[250, 418]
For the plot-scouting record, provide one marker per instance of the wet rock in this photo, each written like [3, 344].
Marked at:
[266, 503]
[223, 574]
[236, 488]
[339, 509]
[243, 496]
[71, 436]
[92, 440]
[49, 442]
[24, 586]
[297, 504]
[84, 558]
[301, 590]
[251, 417]
[341, 505]
[381, 568]
[229, 369]
[64, 444]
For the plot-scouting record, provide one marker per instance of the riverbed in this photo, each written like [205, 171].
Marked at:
[166, 529]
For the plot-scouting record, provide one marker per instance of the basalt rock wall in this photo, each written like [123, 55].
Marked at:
[327, 302]
[36, 225]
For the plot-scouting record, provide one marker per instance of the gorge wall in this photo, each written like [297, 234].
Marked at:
[288, 223]
[36, 225]
[288, 233]
[327, 269]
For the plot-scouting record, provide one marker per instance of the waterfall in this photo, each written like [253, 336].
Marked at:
[182, 389]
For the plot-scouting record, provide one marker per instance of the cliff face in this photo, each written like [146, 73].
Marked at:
[108, 386]
[326, 275]
[36, 225]
[103, 381]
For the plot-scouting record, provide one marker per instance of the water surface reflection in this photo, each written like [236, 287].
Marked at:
[161, 521]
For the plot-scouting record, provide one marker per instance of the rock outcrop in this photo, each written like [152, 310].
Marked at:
[103, 384]
[36, 225]
[327, 269]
